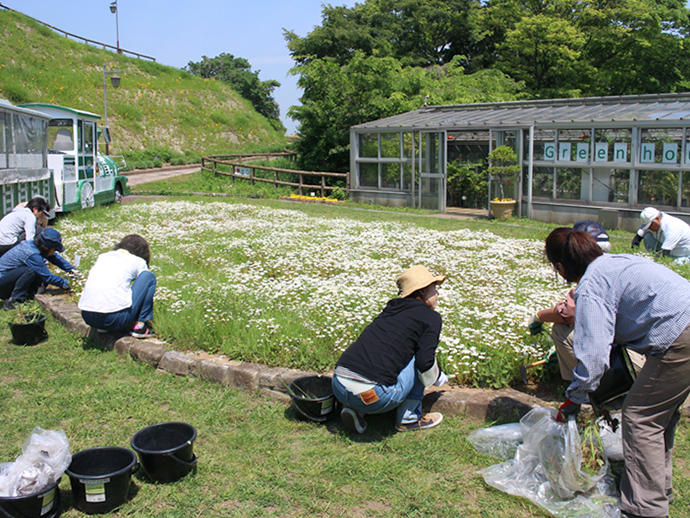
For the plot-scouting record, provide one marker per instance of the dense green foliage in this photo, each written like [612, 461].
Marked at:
[384, 57]
[238, 74]
[155, 107]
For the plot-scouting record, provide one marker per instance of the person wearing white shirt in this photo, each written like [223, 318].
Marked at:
[120, 288]
[20, 224]
[664, 233]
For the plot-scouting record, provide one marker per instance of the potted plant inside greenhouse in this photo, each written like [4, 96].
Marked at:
[503, 168]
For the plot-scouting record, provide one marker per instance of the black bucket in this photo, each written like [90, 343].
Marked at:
[30, 332]
[312, 397]
[101, 477]
[616, 381]
[44, 504]
[166, 451]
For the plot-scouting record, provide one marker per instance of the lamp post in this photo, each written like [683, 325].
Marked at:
[113, 9]
[115, 81]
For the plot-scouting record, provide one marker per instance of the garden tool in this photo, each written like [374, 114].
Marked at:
[549, 357]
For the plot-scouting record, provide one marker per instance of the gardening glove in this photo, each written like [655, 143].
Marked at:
[534, 324]
[442, 379]
[636, 241]
[566, 410]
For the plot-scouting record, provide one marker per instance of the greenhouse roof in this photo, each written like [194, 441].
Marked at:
[641, 110]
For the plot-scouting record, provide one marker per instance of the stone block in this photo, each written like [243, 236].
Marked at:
[177, 363]
[148, 351]
[451, 402]
[245, 376]
[123, 344]
[216, 370]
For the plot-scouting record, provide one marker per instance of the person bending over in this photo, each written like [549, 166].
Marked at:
[23, 268]
[645, 306]
[664, 233]
[119, 289]
[394, 359]
[22, 223]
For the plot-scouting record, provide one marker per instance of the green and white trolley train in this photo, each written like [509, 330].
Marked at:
[52, 151]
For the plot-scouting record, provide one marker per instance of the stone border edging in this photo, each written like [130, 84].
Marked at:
[271, 382]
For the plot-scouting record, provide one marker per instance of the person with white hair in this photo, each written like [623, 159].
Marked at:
[664, 233]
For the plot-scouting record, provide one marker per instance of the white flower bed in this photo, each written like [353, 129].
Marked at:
[329, 276]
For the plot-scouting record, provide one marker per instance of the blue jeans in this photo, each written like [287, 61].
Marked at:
[19, 283]
[405, 396]
[141, 310]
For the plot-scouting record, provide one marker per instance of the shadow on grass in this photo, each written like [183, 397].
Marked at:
[379, 426]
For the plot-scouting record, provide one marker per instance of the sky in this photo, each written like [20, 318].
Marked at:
[176, 32]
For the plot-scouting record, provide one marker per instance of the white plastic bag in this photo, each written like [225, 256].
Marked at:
[44, 459]
[546, 470]
[501, 441]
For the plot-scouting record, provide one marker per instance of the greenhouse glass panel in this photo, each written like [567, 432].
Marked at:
[612, 145]
[542, 182]
[544, 140]
[390, 145]
[368, 175]
[569, 183]
[657, 188]
[390, 176]
[661, 145]
[368, 145]
[574, 145]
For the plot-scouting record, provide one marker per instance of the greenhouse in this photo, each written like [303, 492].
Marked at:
[600, 158]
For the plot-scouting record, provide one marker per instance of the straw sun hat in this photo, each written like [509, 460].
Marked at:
[416, 278]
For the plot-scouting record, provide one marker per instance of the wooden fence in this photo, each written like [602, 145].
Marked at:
[242, 168]
[85, 40]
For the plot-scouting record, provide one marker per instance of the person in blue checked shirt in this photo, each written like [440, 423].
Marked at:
[644, 306]
[23, 268]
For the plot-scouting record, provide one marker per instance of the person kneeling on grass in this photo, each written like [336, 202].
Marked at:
[394, 359]
[23, 268]
[120, 288]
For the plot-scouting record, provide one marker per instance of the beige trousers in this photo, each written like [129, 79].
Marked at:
[563, 340]
[650, 415]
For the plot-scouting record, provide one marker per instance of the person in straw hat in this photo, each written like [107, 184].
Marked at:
[394, 359]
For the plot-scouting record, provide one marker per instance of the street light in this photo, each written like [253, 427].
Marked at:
[115, 81]
[113, 9]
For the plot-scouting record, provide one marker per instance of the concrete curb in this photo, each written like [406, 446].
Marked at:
[271, 382]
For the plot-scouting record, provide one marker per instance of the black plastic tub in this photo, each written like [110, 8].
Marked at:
[101, 478]
[30, 332]
[166, 451]
[312, 397]
[44, 504]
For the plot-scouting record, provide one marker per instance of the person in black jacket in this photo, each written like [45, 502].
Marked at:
[394, 359]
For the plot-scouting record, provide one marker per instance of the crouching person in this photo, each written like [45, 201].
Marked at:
[394, 359]
[23, 268]
[119, 290]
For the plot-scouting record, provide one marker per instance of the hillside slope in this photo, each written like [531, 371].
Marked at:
[155, 105]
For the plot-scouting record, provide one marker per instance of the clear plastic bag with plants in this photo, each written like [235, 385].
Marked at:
[562, 467]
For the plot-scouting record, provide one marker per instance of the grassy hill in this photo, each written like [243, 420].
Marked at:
[156, 106]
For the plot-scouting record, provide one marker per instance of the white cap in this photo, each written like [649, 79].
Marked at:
[647, 216]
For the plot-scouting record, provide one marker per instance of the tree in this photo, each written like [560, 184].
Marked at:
[503, 166]
[366, 88]
[237, 72]
[415, 32]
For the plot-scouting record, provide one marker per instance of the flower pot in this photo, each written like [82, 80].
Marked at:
[502, 209]
[30, 332]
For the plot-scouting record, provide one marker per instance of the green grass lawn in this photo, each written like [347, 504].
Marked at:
[255, 457]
